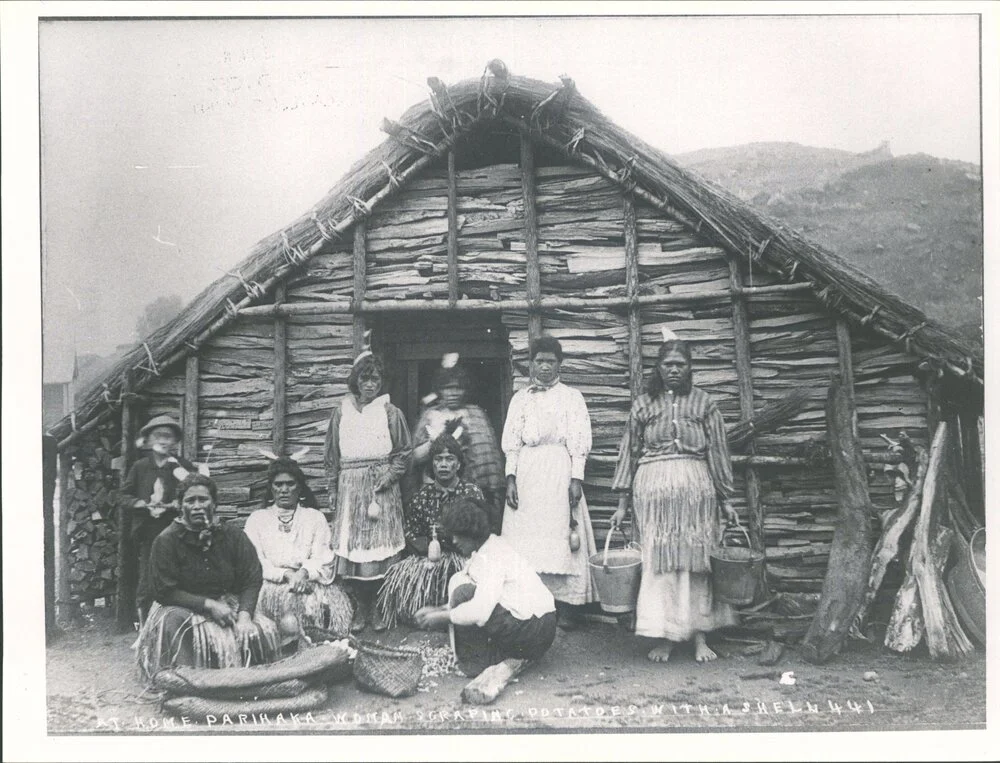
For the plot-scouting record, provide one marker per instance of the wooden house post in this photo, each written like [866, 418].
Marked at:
[452, 230]
[744, 379]
[632, 290]
[846, 366]
[190, 422]
[533, 281]
[127, 573]
[280, 360]
[360, 279]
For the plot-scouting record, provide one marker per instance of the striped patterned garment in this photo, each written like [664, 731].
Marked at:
[674, 424]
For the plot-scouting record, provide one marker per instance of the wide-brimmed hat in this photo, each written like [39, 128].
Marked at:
[161, 421]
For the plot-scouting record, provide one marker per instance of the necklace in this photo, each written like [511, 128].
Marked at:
[285, 525]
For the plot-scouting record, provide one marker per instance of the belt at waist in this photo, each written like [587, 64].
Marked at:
[654, 457]
[361, 463]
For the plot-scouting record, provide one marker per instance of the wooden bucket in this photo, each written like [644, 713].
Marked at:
[735, 572]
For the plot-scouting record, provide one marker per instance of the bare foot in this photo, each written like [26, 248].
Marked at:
[661, 653]
[701, 651]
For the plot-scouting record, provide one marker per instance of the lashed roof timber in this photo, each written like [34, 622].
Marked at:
[560, 118]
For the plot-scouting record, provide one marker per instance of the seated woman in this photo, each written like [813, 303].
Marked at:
[204, 578]
[293, 543]
[418, 581]
[501, 614]
[484, 464]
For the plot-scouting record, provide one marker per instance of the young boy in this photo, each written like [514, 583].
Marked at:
[500, 613]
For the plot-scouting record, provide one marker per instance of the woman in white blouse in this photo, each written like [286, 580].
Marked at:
[293, 544]
[546, 439]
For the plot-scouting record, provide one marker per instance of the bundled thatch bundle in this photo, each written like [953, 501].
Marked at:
[416, 582]
[770, 417]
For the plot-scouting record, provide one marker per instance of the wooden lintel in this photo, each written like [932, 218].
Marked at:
[533, 280]
[346, 307]
[190, 423]
[360, 278]
[452, 229]
[631, 290]
[280, 360]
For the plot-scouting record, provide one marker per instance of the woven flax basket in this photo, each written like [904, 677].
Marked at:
[387, 670]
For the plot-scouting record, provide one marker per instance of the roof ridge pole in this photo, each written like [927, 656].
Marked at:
[631, 291]
[452, 229]
[280, 364]
[744, 380]
[360, 278]
[533, 281]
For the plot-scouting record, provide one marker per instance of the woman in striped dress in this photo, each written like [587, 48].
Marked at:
[367, 452]
[674, 462]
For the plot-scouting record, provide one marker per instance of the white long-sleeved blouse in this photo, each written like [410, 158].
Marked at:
[553, 416]
[307, 544]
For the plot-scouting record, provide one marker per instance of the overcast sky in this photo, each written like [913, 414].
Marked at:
[169, 147]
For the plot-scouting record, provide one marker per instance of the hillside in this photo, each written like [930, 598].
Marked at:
[914, 222]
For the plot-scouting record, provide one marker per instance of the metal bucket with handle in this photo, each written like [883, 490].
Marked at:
[616, 574]
[735, 571]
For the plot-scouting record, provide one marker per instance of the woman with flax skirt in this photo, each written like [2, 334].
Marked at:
[292, 539]
[421, 579]
[453, 411]
[204, 578]
[546, 439]
[674, 462]
[367, 452]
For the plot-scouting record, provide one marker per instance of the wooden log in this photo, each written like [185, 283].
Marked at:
[533, 283]
[850, 555]
[125, 586]
[280, 379]
[50, 474]
[906, 627]
[945, 638]
[190, 408]
[744, 378]
[887, 547]
[846, 363]
[359, 285]
[972, 462]
[341, 306]
[452, 229]
[486, 687]
[631, 290]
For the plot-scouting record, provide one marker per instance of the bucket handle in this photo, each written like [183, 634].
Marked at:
[607, 544]
[745, 535]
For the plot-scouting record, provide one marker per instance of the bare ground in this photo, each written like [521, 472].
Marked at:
[596, 678]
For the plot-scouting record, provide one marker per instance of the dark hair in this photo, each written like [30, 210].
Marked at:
[654, 384]
[457, 376]
[446, 443]
[466, 516]
[545, 343]
[194, 479]
[369, 365]
[285, 465]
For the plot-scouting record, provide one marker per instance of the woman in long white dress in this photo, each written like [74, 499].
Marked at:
[546, 439]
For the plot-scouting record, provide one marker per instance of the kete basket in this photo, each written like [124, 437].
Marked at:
[393, 671]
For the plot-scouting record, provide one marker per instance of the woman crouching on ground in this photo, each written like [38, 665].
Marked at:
[204, 578]
[293, 543]
[674, 461]
[501, 615]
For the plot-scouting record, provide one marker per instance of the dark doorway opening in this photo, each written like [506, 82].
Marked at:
[412, 345]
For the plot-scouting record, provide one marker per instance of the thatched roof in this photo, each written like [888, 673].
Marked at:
[558, 117]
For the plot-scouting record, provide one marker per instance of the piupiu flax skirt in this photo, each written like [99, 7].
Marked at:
[366, 547]
[677, 519]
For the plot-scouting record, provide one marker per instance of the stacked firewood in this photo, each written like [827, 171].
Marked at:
[90, 535]
[923, 610]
